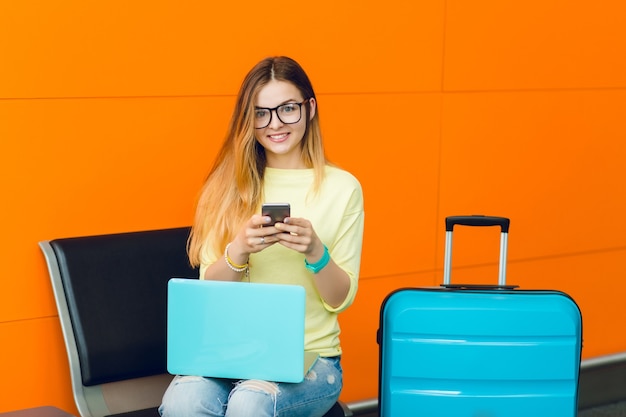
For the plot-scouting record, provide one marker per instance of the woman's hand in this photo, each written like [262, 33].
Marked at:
[331, 281]
[252, 238]
[298, 234]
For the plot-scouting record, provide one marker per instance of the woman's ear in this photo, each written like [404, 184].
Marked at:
[312, 107]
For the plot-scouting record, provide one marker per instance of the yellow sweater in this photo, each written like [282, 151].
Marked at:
[336, 213]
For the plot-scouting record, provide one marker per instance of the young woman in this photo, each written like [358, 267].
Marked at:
[273, 152]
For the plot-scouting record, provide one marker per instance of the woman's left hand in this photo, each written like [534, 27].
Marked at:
[298, 234]
[332, 282]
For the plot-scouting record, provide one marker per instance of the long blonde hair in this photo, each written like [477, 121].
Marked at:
[233, 190]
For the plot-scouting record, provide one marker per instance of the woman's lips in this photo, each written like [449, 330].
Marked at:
[279, 137]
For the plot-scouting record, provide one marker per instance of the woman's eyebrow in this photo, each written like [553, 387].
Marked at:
[291, 100]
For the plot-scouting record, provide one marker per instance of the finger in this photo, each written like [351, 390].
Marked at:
[294, 246]
[303, 242]
[258, 220]
[257, 241]
[298, 221]
[263, 240]
[292, 229]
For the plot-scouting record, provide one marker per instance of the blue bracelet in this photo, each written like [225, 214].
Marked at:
[319, 265]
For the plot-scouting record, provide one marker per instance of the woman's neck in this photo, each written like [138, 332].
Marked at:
[277, 162]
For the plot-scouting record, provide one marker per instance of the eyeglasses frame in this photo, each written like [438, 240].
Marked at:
[275, 110]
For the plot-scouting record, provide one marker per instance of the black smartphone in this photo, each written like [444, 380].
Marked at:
[276, 211]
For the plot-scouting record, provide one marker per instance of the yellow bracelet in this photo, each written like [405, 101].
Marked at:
[235, 267]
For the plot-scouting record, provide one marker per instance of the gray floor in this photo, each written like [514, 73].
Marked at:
[610, 410]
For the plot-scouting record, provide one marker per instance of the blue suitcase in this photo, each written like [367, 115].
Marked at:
[478, 351]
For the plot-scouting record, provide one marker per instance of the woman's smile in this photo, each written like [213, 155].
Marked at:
[279, 137]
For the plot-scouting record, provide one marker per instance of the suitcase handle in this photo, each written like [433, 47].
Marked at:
[478, 287]
[476, 220]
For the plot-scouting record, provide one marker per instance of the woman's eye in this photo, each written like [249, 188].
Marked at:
[288, 108]
[260, 113]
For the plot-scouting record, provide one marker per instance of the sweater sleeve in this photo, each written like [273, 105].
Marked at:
[346, 249]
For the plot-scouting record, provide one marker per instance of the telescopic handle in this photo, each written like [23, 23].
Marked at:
[478, 220]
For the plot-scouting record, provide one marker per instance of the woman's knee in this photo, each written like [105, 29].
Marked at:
[253, 398]
[190, 396]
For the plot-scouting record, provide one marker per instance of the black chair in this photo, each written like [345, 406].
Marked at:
[111, 295]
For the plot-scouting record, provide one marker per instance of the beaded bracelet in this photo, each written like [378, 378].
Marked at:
[235, 267]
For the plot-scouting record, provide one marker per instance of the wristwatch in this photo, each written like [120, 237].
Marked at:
[319, 265]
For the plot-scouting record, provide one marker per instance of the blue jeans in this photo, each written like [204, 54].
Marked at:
[192, 396]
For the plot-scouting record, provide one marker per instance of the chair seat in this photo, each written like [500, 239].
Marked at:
[336, 411]
[147, 412]
[47, 411]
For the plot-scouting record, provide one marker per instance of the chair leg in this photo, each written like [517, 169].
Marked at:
[339, 409]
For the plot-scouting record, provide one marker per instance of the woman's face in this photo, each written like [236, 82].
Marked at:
[281, 102]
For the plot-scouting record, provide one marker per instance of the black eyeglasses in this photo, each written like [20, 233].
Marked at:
[288, 113]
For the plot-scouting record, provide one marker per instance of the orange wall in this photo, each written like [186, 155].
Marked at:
[111, 113]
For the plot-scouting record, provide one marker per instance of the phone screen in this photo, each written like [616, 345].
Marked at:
[276, 211]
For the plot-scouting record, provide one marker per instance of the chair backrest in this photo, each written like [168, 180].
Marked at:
[111, 293]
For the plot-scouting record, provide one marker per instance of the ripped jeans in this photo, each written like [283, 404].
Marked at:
[192, 396]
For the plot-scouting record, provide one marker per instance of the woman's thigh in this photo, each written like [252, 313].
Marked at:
[189, 396]
[312, 397]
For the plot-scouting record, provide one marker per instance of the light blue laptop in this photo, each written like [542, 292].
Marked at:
[236, 330]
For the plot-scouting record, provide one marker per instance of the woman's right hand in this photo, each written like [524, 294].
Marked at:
[252, 238]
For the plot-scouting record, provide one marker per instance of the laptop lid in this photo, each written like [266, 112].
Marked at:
[236, 330]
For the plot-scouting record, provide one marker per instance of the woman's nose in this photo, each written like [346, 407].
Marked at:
[275, 122]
